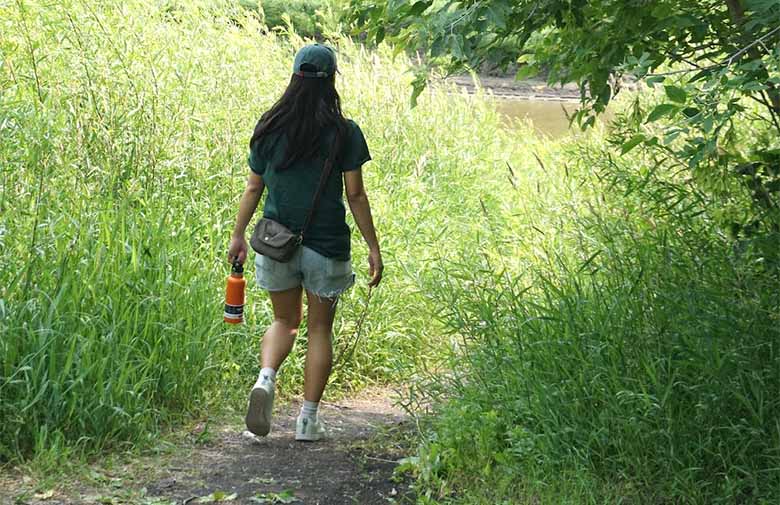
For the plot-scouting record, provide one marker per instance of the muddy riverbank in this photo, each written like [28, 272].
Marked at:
[509, 88]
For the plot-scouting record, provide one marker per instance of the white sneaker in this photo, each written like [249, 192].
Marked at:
[309, 429]
[261, 404]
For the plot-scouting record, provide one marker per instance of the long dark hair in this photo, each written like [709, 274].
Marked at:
[304, 112]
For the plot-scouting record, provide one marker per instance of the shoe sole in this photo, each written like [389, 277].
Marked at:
[256, 418]
[308, 438]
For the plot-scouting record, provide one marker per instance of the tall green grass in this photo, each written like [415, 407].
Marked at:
[599, 338]
[615, 345]
[123, 139]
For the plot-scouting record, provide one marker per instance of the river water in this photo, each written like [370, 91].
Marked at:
[548, 116]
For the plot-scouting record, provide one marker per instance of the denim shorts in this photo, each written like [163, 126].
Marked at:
[325, 277]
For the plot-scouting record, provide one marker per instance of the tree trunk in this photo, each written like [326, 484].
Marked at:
[736, 10]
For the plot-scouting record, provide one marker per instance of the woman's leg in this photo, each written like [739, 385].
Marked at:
[277, 344]
[320, 352]
[280, 336]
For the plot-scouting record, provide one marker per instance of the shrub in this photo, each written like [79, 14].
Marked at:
[616, 346]
[303, 14]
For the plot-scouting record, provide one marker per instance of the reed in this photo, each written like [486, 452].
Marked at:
[123, 134]
[615, 346]
[579, 326]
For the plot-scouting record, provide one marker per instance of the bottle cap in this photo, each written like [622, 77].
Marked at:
[238, 268]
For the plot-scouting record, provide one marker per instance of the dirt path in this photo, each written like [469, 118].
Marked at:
[225, 464]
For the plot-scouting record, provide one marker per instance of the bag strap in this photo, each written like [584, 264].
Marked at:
[326, 170]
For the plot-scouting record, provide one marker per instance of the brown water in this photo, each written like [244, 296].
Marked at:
[548, 117]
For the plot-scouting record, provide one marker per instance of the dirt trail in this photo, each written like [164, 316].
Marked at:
[354, 465]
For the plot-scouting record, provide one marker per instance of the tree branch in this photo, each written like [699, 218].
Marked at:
[728, 61]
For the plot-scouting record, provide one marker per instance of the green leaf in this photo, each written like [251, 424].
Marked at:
[380, 35]
[605, 95]
[669, 137]
[407, 465]
[217, 496]
[589, 122]
[676, 93]
[704, 74]
[456, 46]
[754, 86]
[495, 16]
[690, 112]
[437, 47]
[661, 110]
[418, 8]
[394, 6]
[525, 72]
[685, 20]
[418, 85]
[284, 497]
[632, 143]
[45, 495]
[750, 65]
[707, 124]
[655, 79]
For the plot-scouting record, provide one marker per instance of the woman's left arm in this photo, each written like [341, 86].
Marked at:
[246, 208]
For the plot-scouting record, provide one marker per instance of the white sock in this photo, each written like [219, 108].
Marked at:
[267, 376]
[309, 409]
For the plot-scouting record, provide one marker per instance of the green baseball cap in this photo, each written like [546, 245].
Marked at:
[321, 60]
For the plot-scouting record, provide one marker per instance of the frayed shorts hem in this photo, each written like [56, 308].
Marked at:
[322, 276]
[330, 294]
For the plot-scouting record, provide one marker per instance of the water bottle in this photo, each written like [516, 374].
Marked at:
[234, 295]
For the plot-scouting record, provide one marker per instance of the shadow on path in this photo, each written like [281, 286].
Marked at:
[335, 471]
[225, 464]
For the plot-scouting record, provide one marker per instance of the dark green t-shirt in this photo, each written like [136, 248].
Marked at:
[291, 191]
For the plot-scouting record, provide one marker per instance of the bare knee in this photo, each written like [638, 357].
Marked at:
[319, 330]
[289, 325]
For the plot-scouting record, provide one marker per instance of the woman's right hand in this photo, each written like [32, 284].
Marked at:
[375, 267]
[237, 250]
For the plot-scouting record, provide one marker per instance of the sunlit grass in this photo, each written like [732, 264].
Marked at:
[584, 333]
[614, 345]
[123, 135]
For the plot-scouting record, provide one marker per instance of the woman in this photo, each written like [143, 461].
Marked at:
[287, 154]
